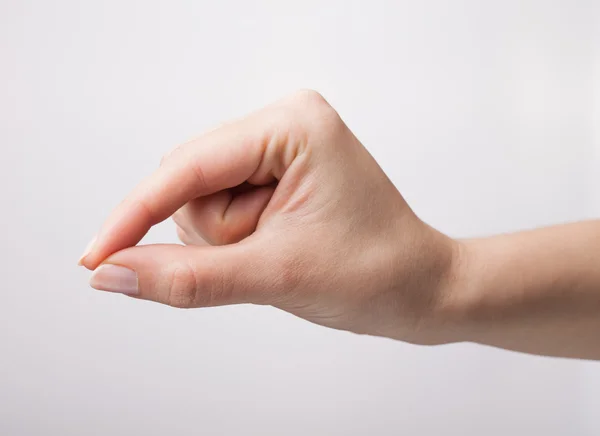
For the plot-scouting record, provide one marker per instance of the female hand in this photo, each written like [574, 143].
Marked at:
[296, 214]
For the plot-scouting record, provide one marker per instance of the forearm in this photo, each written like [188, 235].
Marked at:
[536, 291]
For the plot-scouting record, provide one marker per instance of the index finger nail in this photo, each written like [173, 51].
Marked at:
[87, 250]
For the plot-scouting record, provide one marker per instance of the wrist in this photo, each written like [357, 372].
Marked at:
[454, 312]
[474, 299]
[438, 311]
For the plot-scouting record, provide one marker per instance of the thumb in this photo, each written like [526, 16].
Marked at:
[189, 276]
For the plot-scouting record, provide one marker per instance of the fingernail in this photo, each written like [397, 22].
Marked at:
[113, 278]
[87, 250]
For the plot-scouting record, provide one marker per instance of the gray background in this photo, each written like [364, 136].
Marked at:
[481, 112]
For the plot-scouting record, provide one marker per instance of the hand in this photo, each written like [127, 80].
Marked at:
[297, 215]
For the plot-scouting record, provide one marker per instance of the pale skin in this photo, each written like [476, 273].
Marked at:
[287, 208]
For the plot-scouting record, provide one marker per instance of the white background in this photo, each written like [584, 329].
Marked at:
[481, 112]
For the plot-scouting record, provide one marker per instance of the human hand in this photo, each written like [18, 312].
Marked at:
[296, 214]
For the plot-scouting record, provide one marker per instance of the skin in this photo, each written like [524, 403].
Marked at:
[287, 208]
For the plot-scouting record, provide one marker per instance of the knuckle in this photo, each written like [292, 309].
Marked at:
[171, 153]
[311, 102]
[303, 114]
[166, 156]
[316, 112]
[198, 171]
[190, 288]
[182, 287]
[309, 96]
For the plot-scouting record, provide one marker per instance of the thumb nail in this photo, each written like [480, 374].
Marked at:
[113, 278]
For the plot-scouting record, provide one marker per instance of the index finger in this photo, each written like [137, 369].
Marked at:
[222, 159]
